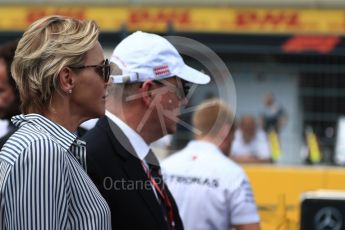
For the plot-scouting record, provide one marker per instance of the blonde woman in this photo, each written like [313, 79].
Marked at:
[61, 75]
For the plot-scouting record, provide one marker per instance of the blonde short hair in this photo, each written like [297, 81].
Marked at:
[47, 46]
[210, 116]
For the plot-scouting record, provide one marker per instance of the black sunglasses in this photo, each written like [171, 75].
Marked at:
[102, 70]
[182, 88]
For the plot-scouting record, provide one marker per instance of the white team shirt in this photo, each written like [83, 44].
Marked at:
[211, 191]
[258, 146]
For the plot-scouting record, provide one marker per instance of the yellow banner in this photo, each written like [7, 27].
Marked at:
[190, 19]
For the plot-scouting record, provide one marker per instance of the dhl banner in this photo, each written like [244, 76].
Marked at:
[186, 19]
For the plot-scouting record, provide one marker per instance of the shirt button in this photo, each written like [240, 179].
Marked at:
[79, 142]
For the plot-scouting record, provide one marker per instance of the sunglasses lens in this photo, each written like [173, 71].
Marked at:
[107, 69]
[106, 72]
[100, 71]
[186, 86]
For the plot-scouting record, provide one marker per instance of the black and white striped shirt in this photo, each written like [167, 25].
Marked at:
[43, 184]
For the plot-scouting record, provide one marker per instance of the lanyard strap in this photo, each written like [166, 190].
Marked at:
[163, 194]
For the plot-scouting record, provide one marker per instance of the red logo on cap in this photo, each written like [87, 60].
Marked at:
[162, 71]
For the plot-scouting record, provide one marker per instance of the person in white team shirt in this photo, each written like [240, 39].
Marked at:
[211, 191]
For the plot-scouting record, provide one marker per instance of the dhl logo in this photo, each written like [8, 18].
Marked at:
[267, 18]
[36, 14]
[137, 16]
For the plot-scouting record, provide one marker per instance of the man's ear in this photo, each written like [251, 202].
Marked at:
[66, 79]
[146, 94]
[223, 133]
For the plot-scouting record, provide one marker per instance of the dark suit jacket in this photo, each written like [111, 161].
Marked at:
[121, 179]
[6, 137]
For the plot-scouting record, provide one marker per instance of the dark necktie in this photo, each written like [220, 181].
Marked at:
[155, 169]
[155, 172]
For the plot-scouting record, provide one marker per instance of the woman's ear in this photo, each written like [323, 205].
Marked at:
[66, 79]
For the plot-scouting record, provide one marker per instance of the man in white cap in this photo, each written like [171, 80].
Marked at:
[211, 191]
[142, 106]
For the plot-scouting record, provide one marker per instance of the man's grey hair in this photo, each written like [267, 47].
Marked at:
[121, 92]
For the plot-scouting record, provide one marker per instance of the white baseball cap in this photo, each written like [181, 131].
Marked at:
[144, 56]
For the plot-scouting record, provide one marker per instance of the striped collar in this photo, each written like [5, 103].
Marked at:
[64, 137]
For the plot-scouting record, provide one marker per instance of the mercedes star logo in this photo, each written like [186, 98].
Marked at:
[328, 218]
